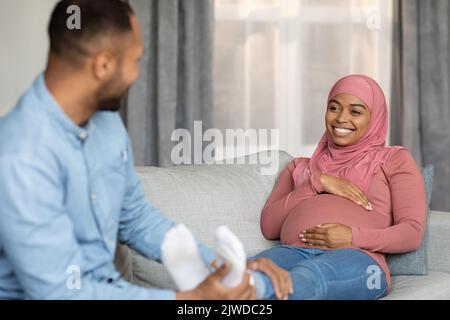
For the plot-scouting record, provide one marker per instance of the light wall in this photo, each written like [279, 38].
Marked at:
[23, 46]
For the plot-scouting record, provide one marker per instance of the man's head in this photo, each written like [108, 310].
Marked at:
[106, 48]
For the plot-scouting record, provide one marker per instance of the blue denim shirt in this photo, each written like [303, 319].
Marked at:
[67, 195]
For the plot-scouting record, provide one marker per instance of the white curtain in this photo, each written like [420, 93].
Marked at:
[276, 60]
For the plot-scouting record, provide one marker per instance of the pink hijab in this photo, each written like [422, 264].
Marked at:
[360, 161]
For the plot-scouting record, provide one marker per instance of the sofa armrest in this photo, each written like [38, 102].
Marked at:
[438, 249]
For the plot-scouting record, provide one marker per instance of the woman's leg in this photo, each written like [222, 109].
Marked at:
[285, 257]
[338, 274]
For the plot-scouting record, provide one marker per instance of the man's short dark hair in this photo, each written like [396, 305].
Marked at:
[99, 18]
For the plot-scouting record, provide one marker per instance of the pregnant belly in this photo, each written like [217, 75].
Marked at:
[327, 208]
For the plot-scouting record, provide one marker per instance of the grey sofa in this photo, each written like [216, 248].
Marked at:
[206, 196]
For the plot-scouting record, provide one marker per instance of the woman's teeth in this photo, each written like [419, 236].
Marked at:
[342, 132]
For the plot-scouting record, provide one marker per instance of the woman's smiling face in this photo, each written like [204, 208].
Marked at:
[347, 119]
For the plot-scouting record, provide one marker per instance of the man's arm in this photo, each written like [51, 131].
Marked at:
[142, 226]
[39, 240]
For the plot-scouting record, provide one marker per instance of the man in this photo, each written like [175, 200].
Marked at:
[68, 188]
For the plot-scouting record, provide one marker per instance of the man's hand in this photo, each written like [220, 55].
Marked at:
[281, 279]
[328, 236]
[212, 289]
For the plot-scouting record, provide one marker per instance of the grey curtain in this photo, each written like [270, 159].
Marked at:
[175, 86]
[421, 88]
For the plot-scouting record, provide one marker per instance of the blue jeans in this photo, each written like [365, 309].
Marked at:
[348, 274]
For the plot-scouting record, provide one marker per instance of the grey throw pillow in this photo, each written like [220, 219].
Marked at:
[414, 263]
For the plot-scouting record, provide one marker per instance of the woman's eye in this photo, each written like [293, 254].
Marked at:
[356, 112]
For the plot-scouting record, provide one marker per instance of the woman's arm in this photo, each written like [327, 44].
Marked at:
[285, 197]
[408, 206]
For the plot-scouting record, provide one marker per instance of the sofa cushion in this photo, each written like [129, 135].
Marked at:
[415, 262]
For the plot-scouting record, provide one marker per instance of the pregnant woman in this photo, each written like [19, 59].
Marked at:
[338, 213]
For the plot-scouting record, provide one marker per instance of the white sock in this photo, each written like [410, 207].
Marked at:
[229, 248]
[181, 257]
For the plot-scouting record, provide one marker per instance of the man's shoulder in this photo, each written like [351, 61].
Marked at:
[23, 127]
[108, 119]
[110, 124]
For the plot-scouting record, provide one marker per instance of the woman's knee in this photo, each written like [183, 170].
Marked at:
[308, 283]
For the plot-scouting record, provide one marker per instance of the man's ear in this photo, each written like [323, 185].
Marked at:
[105, 64]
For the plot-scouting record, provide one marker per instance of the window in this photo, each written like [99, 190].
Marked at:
[276, 60]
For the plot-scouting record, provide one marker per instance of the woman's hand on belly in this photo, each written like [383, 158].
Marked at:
[328, 236]
[346, 189]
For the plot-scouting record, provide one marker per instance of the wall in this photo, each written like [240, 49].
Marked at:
[23, 46]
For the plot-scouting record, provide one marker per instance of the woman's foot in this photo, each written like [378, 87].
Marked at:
[228, 247]
[181, 257]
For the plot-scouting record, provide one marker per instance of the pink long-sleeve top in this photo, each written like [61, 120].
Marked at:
[396, 224]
